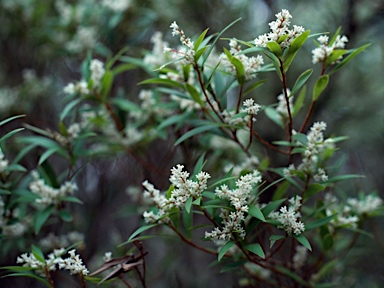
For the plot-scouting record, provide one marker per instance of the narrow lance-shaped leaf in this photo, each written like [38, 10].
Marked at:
[320, 85]
[349, 58]
[301, 80]
[256, 249]
[225, 249]
[274, 48]
[294, 48]
[304, 241]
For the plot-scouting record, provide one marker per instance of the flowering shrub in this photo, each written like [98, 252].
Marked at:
[266, 208]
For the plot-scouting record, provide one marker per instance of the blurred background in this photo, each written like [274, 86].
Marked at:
[42, 45]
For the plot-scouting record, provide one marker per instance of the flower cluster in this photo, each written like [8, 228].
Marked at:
[82, 87]
[251, 64]
[184, 188]
[288, 217]
[73, 263]
[49, 264]
[314, 147]
[343, 214]
[368, 204]
[250, 107]
[116, 5]
[232, 220]
[47, 194]
[188, 49]
[280, 31]
[97, 72]
[321, 53]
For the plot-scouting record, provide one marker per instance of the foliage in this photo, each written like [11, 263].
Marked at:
[267, 209]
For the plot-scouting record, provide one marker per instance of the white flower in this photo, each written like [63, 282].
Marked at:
[251, 64]
[321, 53]
[73, 263]
[288, 217]
[282, 108]
[47, 194]
[188, 49]
[3, 162]
[280, 28]
[232, 222]
[250, 107]
[97, 71]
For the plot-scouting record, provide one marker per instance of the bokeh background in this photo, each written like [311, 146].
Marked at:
[42, 44]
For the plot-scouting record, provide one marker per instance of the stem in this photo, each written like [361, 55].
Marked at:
[124, 281]
[49, 277]
[286, 96]
[269, 145]
[239, 99]
[310, 110]
[83, 284]
[189, 242]
[250, 133]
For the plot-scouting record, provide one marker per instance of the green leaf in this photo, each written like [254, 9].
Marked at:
[194, 132]
[126, 105]
[141, 230]
[318, 223]
[254, 86]
[9, 134]
[199, 165]
[71, 199]
[326, 269]
[301, 138]
[10, 119]
[276, 63]
[106, 84]
[194, 93]
[313, 189]
[335, 55]
[333, 39]
[188, 204]
[232, 265]
[272, 206]
[161, 81]
[200, 39]
[320, 85]
[275, 48]
[274, 116]
[274, 238]
[256, 249]
[304, 241]
[301, 80]
[299, 101]
[292, 275]
[344, 177]
[58, 149]
[294, 48]
[343, 62]
[224, 249]
[65, 215]
[256, 212]
[68, 108]
[30, 275]
[122, 68]
[281, 190]
[41, 217]
[39, 255]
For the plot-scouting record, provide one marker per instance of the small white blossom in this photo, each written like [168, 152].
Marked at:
[97, 71]
[73, 263]
[288, 217]
[47, 194]
[251, 64]
[107, 256]
[116, 5]
[3, 162]
[368, 204]
[280, 28]
[188, 49]
[250, 107]
[282, 107]
[321, 53]
[232, 221]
